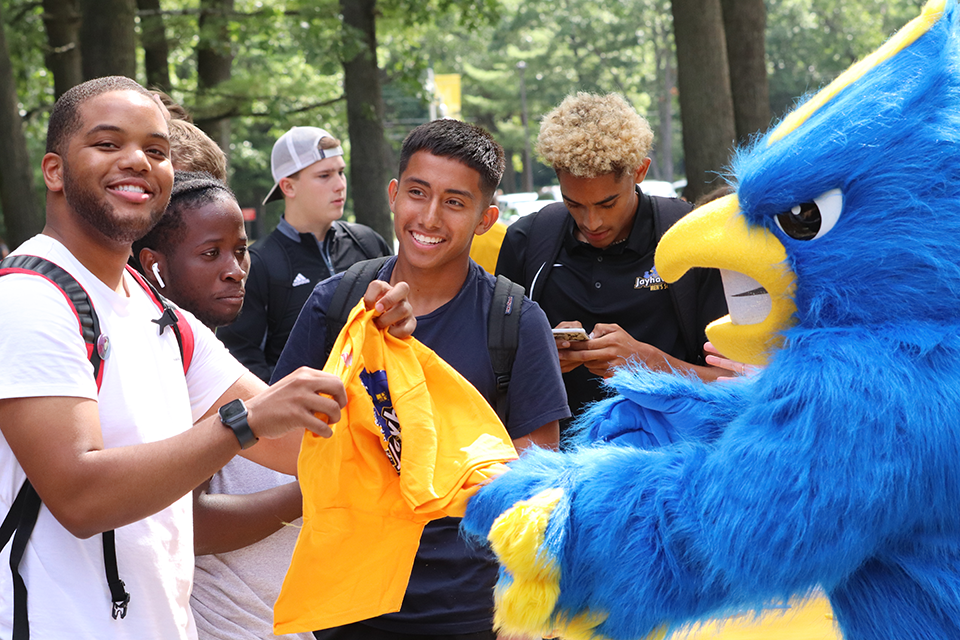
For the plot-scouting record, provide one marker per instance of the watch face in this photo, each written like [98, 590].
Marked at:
[232, 410]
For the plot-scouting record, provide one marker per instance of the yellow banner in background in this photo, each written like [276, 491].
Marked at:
[448, 90]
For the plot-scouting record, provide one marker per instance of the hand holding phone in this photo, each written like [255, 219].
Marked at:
[571, 334]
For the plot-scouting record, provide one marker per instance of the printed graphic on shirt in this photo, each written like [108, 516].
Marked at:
[386, 416]
[300, 280]
[650, 280]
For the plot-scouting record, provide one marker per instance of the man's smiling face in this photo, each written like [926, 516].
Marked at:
[438, 207]
[117, 173]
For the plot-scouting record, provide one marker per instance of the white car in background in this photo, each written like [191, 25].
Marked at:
[506, 200]
[520, 209]
[514, 206]
[658, 188]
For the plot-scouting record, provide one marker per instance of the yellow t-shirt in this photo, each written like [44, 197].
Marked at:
[366, 498]
[486, 248]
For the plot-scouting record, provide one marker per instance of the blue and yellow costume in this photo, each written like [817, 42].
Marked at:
[838, 466]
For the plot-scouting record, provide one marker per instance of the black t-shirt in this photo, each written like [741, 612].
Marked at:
[618, 284]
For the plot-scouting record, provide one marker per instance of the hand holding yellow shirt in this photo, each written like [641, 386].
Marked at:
[413, 444]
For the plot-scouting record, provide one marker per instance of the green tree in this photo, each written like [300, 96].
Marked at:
[744, 27]
[156, 51]
[706, 102]
[810, 42]
[566, 46]
[21, 212]
[62, 57]
[287, 67]
[108, 42]
[361, 83]
[370, 159]
[214, 67]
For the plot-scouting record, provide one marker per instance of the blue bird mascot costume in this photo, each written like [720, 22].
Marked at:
[838, 466]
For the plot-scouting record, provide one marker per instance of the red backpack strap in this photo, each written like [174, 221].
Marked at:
[186, 340]
[76, 296]
[171, 316]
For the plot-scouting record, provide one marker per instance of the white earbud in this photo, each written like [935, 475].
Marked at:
[156, 272]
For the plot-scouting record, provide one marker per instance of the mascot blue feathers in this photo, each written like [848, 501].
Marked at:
[838, 466]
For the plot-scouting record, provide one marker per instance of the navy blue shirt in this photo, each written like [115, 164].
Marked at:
[451, 586]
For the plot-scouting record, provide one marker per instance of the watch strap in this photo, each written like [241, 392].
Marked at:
[240, 427]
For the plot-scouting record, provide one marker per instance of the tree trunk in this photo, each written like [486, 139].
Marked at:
[369, 172]
[509, 181]
[155, 48]
[214, 63]
[108, 38]
[745, 23]
[20, 210]
[668, 86]
[61, 18]
[706, 105]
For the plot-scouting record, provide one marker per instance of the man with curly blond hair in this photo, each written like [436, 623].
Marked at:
[588, 261]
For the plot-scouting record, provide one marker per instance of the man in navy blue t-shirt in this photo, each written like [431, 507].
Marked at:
[449, 172]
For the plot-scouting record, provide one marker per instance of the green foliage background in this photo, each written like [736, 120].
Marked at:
[287, 64]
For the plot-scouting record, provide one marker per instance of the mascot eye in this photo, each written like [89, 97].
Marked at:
[812, 220]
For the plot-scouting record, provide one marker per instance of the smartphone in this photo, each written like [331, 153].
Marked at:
[571, 334]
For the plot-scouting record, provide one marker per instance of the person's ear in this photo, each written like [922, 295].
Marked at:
[52, 167]
[642, 171]
[392, 190]
[489, 218]
[288, 186]
[151, 261]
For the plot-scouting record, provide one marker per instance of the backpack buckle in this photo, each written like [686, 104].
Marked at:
[167, 318]
[120, 606]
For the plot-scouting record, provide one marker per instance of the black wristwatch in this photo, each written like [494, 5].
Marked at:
[234, 415]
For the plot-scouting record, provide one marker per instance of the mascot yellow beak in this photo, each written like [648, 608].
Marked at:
[757, 282]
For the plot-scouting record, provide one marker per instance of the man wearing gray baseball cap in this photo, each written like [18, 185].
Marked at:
[309, 245]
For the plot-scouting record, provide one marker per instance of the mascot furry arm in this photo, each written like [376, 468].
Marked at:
[837, 466]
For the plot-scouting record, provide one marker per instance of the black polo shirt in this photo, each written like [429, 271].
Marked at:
[618, 284]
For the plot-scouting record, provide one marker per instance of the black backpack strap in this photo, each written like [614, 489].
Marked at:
[118, 592]
[503, 336]
[75, 294]
[23, 514]
[13, 516]
[683, 292]
[21, 518]
[369, 246]
[349, 291]
[543, 246]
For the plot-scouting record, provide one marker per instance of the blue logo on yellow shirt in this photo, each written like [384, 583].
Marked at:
[383, 412]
